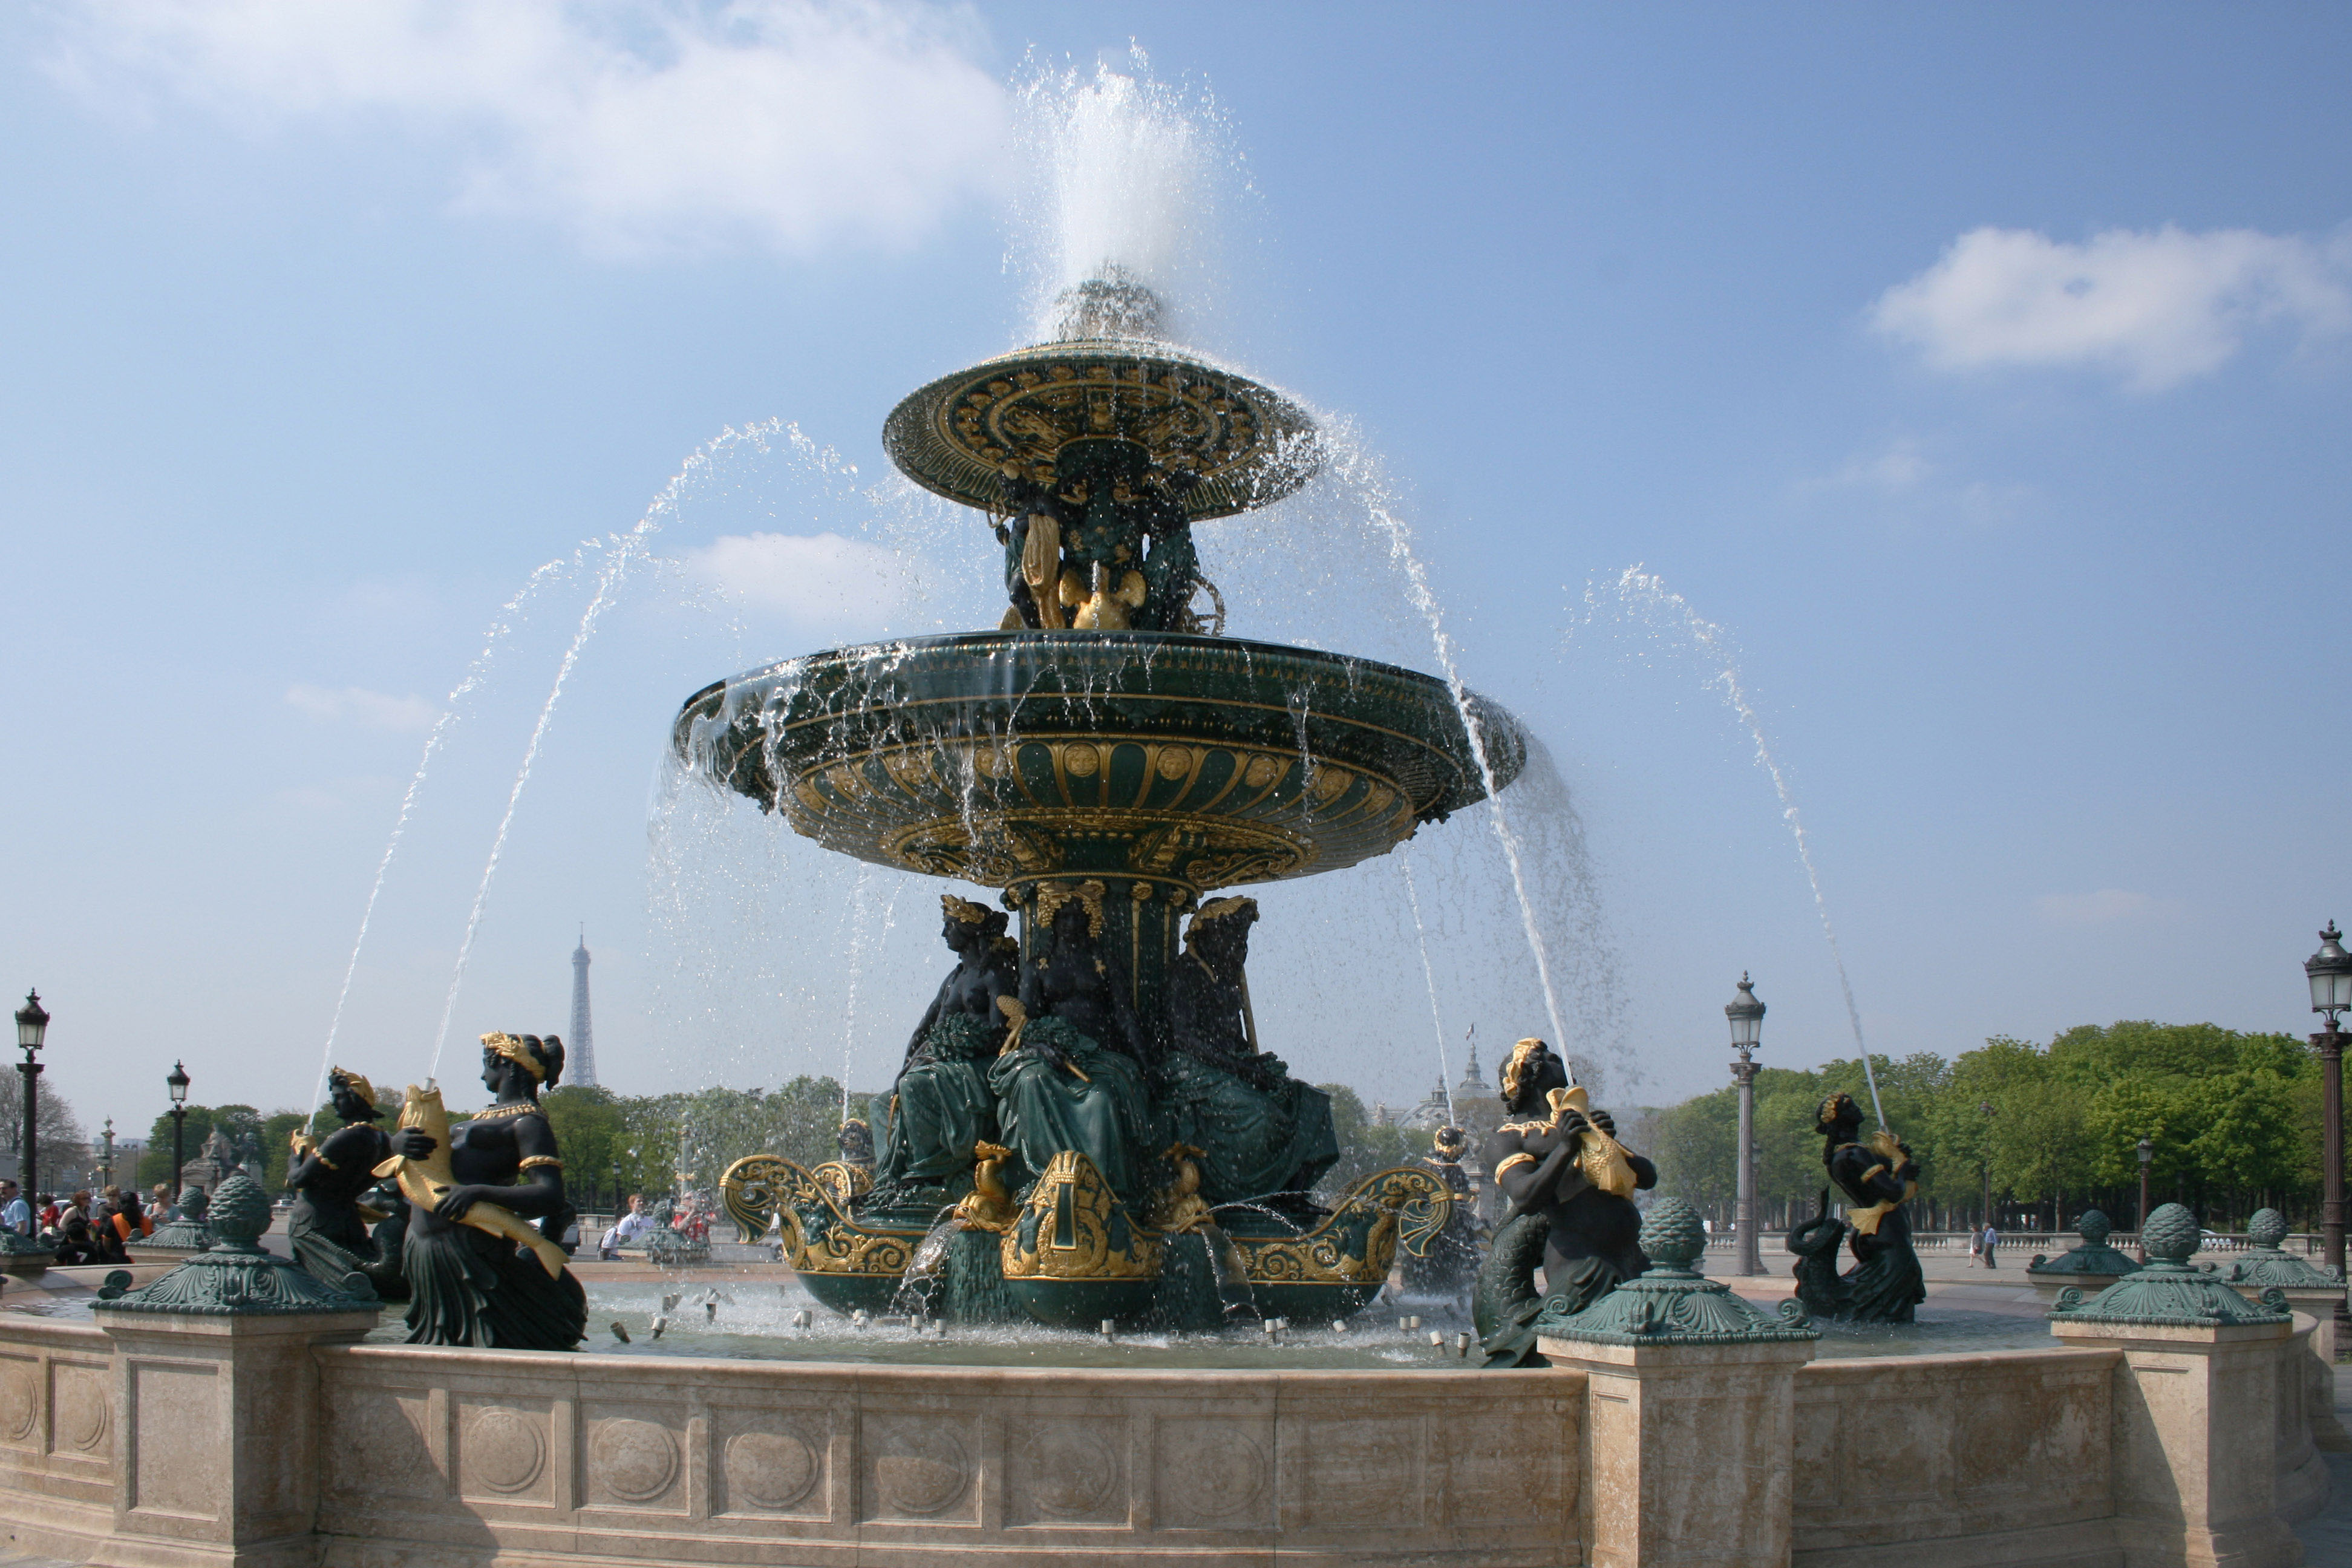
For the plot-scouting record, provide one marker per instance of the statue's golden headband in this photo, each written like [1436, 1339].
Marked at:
[1220, 909]
[967, 912]
[517, 1049]
[353, 1083]
[1088, 895]
[1526, 1056]
[1837, 1108]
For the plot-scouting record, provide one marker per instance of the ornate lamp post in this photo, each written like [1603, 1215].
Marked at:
[177, 1082]
[32, 1028]
[105, 1157]
[2146, 1156]
[1747, 1016]
[1986, 1106]
[2330, 972]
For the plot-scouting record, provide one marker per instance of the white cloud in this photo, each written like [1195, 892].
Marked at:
[2106, 906]
[1899, 467]
[815, 580]
[359, 706]
[2156, 308]
[642, 125]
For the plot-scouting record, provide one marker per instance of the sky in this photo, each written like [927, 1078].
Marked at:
[1963, 389]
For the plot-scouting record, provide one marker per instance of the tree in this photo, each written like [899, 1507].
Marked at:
[1365, 1145]
[62, 1145]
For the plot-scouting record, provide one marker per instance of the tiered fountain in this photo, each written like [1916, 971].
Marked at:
[1106, 758]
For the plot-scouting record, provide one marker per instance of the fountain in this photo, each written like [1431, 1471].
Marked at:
[1108, 759]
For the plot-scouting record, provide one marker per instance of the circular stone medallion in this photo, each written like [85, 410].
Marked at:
[770, 1469]
[921, 1471]
[637, 1460]
[20, 1404]
[504, 1450]
[1071, 1471]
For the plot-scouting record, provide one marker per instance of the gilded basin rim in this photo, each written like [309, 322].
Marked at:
[1282, 457]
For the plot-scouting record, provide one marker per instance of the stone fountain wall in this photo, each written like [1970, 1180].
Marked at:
[231, 1441]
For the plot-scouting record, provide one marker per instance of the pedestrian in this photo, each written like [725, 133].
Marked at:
[1991, 1239]
[629, 1227]
[15, 1212]
[164, 1204]
[50, 1209]
[75, 1243]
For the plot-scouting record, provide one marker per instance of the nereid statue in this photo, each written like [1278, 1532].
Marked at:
[329, 1225]
[942, 1108]
[469, 1284]
[1886, 1283]
[1572, 1188]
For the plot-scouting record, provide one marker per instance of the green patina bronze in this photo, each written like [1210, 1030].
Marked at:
[2169, 1292]
[1105, 765]
[1673, 1303]
[2264, 1263]
[2093, 1259]
[236, 1276]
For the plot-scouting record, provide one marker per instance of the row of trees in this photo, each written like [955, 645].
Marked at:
[2233, 1120]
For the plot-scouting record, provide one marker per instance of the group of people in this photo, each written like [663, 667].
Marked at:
[80, 1227]
[692, 1222]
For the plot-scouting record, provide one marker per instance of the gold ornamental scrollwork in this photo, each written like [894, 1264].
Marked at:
[1074, 1227]
[1358, 1242]
[819, 1236]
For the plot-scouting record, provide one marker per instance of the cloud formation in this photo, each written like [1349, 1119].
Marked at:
[357, 705]
[813, 580]
[2156, 308]
[641, 125]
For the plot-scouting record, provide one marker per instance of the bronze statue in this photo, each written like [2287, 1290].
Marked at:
[1262, 1134]
[1069, 1076]
[1886, 1283]
[469, 1284]
[941, 1108]
[1571, 1183]
[1073, 550]
[329, 1224]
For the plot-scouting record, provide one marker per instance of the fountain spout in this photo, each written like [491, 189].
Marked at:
[1111, 304]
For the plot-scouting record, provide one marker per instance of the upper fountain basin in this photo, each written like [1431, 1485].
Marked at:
[1181, 762]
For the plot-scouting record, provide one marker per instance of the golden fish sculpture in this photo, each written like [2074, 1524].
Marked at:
[1600, 1158]
[425, 1182]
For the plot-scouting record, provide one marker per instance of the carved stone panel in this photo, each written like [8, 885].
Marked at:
[1214, 1472]
[502, 1453]
[82, 1410]
[383, 1444]
[770, 1462]
[20, 1401]
[1361, 1473]
[633, 1456]
[179, 1465]
[1066, 1470]
[918, 1467]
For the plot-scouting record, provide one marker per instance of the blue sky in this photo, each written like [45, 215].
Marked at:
[1982, 373]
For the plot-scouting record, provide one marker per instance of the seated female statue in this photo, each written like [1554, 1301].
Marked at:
[1261, 1133]
[942, 1106]
[327, 1227]
[1068, 1078]
[468, 1286]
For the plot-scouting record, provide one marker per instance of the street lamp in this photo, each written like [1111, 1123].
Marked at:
[1986, 1106]
[106, 1159]
[32, 1028]
[2330, 972]
[177, 1082]
[2146, 1157]
[1747, 1016]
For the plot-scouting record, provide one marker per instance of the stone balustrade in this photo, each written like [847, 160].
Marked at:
[279, 1442]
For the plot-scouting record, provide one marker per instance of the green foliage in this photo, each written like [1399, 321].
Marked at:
[1364, 1146]
[2233, 1120]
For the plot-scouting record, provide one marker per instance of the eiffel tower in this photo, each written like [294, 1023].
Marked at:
[580, 1053]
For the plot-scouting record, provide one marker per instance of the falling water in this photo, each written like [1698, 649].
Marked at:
[1646, 594]
[499, 627]
[620, 553]
[858, 905]
[1420, 939]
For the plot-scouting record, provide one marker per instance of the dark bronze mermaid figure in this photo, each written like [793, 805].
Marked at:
[329, 1224]
[1878, 1177]
[466, 1285]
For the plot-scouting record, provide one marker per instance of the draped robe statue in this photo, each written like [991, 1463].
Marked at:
[942, 1106]
[1260, 1131]
[1069, 1077]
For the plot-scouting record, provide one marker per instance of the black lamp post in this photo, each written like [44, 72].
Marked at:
[106, 1159]
[2146, 1157]
[32, 1028]
[2330, 972]
[177, 1081]
[1747, 1016]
